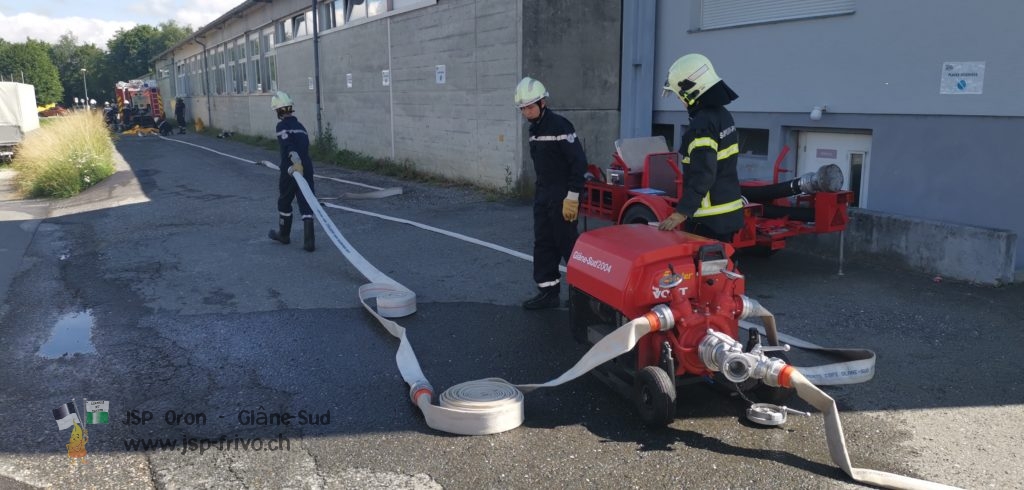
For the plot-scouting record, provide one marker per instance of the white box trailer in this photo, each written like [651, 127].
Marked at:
[18, 115]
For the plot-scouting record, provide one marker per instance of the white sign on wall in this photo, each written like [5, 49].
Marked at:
[385, 78]
[962, 77]
[312, 84]
[440, 74]
[348, 80]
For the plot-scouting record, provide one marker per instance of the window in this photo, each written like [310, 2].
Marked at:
[716, 14]
[254, 61]
[666, 131]
[219, 71]
[337, 13]
[284, 30]
[361, 9]
[229, 72]
[299, 25]
[332, 14]
[269, 65]
[753, 142]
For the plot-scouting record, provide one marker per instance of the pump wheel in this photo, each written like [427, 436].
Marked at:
[639, 214]
[655, 397]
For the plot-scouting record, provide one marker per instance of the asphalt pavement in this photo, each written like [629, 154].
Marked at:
[158, 291]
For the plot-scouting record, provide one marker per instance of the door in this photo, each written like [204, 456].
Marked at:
[850, 152]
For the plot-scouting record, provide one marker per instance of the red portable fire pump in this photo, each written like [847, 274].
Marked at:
[644, 183]
[690, 285]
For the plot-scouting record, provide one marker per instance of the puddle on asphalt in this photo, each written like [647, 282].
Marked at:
[71, 335]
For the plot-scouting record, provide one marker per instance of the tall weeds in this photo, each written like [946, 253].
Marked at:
[65, 156]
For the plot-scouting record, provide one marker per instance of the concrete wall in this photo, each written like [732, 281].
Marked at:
[575, 52]
[466, 127]
[949, 250]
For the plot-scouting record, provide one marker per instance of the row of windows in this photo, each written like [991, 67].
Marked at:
[244, 65]
[248, 63]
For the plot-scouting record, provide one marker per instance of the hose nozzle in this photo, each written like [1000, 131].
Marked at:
[828, 178]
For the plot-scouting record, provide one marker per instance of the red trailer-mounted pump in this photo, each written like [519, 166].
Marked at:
[644, 183]
[622, 272]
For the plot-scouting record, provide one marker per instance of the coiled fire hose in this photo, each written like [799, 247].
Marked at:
[493, 405]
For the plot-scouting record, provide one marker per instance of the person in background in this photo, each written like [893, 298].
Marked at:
[293, 141]
[559, 163]
[179, 114]
[711, 205]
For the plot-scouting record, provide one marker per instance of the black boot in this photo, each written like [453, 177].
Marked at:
[308, 242]
[284, 231]
[546, 298]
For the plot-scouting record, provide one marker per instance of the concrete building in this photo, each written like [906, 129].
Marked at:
[916, 100]
[425, 81]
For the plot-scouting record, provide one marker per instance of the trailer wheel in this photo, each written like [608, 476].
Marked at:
[655, 397]
[638, 213]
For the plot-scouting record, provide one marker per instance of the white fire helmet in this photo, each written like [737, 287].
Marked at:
[279, 100]
[689, 77]
[529, 91]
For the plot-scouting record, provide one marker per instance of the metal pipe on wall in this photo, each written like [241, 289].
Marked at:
[206, 82]
[316, 69]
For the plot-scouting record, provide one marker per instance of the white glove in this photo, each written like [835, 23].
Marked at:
[294, 156]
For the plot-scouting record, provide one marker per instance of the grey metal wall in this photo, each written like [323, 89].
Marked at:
[937, 157]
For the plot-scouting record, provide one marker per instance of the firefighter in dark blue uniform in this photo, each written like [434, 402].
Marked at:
[293, 142]
[559, 163]
[711, 205]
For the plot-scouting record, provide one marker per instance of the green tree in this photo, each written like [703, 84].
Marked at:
[32, 58]
[70, 58]
[129, 52]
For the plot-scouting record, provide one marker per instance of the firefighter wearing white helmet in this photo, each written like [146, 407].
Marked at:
[293, 142]
[711, 205]
[559, 164]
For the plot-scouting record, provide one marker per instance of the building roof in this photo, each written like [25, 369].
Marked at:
[235, 12]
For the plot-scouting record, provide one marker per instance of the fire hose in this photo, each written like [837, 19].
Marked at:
[493, 405]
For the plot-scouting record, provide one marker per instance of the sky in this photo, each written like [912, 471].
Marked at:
[96, 21]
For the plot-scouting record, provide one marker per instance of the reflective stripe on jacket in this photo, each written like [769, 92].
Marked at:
[558, 159]
[711, 188]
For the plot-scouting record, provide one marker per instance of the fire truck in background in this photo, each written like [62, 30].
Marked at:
[138, 104]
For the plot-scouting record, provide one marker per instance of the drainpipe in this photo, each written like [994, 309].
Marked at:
[316, 69]
[206, 82]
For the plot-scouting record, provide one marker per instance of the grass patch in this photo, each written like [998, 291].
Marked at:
[64, 156]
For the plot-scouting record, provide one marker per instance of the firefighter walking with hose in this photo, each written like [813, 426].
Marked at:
[711, 205]
[293, 142]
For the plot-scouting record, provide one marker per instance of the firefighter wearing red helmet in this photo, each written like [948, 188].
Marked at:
[293, 142]
[711, 205]
[559, 164]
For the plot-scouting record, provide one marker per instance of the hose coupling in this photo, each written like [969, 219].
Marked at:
[666, 320]
[421, 388]
[722, 353]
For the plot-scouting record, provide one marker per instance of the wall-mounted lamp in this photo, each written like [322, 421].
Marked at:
[816, 112]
